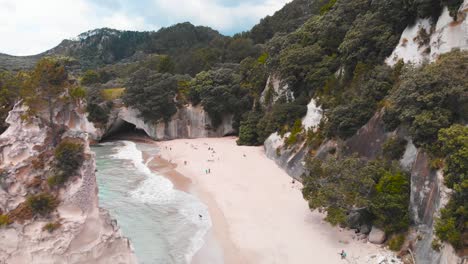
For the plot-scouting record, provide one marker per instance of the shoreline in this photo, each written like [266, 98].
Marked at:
[258, 215]
[218, 243]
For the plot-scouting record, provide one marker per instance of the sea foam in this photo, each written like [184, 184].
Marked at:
[185, 229]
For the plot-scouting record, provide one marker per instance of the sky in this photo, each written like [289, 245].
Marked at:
[30, 27]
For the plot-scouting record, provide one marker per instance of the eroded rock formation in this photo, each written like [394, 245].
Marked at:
[188, 122]
[83, 232]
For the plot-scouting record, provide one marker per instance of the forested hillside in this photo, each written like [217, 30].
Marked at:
[332, 51]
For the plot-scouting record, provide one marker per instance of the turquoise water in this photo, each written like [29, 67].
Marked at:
[162, 223]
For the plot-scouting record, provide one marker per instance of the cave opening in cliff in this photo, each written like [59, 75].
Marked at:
[123, 130]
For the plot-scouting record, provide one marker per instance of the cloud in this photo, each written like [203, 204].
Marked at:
[30, 27]
[226, 16]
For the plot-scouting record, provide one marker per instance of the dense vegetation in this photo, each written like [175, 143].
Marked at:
[394, 148]
[288, 19]
[451, 226]
[153, 93]
[330, 50]
[9, 92]
[430, 98]
[220, 93]
[339, 185]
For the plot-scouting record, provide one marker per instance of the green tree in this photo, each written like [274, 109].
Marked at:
[393, 148]
[9, 92]
[426, 125]
[451, 226]
[220, 93]
[69, 156]
[166, 65]
[49, 81]
[248, 129]
[152, 94]
[90, 77]
[430, 98]
[338, 185]
[390, 202]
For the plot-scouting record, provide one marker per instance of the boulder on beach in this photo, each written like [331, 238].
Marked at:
[377, 236]
[365, 229]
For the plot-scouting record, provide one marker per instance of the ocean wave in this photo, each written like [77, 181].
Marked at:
[184, 229]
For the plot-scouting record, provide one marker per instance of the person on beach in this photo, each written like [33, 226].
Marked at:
[200, 216]
[343, 254]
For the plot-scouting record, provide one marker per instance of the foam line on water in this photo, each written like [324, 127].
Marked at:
[155, 189]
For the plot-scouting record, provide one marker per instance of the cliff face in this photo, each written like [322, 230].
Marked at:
[86, 233]
[438, 38]
[275, 89]
[188, 122]
[428, 196]
[368, 140]
[291, 158]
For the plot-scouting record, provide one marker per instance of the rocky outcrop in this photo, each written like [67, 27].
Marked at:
[275, 88]
[428, 196]
[442, 37]
[368, 140]
[376, 236]
[291, 158]
[86, 233]
[188, 122]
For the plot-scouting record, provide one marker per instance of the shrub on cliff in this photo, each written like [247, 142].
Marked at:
[396, 242]
[69, 156]
[430, 98]
[4, 220]
[9, 84]
[42, 204]
[296, 134]
[451, 226]
[90, 77]
[358, 103]
[97, 108]
[48, 82]
[390, 202]
[393, 148]
[338, 185]
[281, 115]
[97, 114]
[51, 227]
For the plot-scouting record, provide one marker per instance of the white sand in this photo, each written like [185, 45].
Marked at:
[258, 215]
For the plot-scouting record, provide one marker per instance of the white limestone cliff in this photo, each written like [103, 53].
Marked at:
[291, 159]
[275, 89]
[444, 35]
[87, 233]
[188, 122]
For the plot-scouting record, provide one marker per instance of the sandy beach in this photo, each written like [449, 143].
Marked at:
[258, 214]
